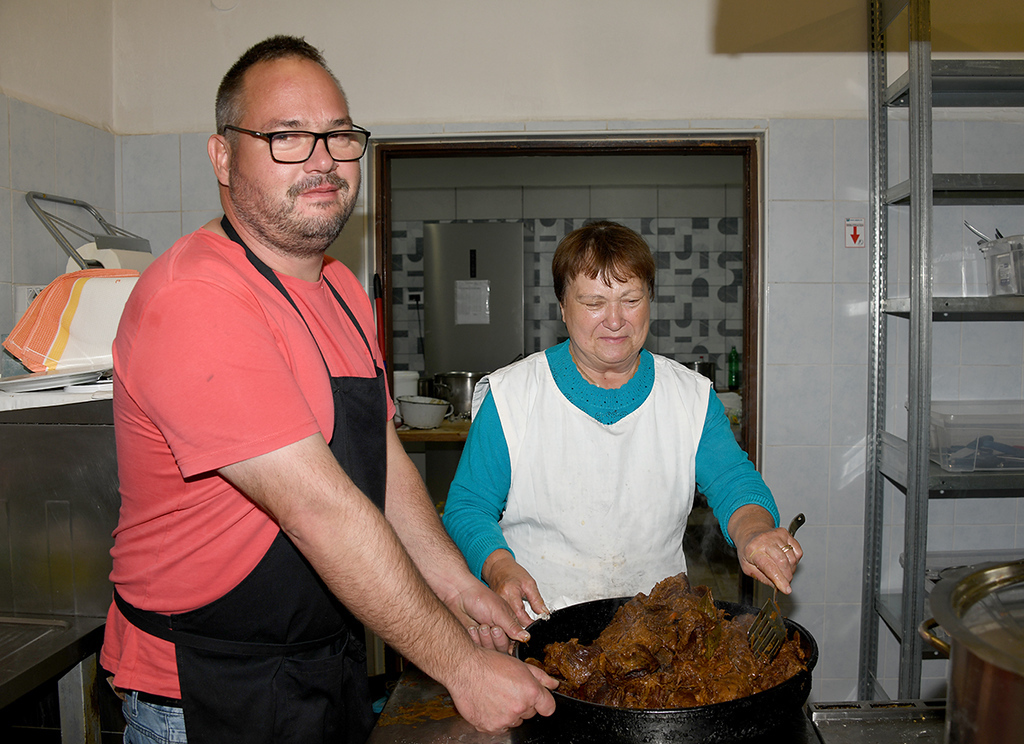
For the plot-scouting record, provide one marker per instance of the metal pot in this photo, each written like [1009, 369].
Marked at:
[457, 389]
[578, 722]
[981, 608]
[703, 368]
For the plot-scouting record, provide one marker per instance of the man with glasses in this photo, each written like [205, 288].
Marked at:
[268, 506]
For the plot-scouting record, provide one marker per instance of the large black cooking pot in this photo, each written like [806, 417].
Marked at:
[760, 717]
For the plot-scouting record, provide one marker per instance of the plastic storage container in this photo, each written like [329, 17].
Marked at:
[971, 435]
[1004, 262]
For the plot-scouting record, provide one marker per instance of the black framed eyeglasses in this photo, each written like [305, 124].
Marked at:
[293, 146]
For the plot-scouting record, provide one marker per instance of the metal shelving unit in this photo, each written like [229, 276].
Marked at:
[905, 463]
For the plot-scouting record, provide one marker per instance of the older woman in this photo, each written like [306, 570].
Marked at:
[581, 463]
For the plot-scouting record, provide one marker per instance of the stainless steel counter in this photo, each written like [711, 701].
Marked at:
[420, 711]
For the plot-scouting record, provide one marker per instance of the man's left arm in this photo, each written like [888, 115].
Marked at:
[411, 512]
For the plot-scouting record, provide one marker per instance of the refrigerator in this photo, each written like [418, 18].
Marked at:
[472, 296]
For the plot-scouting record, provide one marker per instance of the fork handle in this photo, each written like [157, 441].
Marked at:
[797, 523]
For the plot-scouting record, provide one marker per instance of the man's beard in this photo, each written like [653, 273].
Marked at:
[276, 223]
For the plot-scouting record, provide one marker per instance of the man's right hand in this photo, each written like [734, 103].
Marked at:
[497, 692]
[514, 584]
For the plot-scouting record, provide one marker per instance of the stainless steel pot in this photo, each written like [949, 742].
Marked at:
[457, 389]
[981, 608]
[703, 368]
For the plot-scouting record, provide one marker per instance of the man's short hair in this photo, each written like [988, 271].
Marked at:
[229, 108]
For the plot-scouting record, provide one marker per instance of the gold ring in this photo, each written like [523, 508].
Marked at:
[786, 548]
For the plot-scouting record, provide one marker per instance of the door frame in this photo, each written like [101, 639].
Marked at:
[385, 151]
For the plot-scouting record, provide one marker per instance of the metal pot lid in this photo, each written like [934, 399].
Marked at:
[983, 608]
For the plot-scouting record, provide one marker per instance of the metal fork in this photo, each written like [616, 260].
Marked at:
[768, 632]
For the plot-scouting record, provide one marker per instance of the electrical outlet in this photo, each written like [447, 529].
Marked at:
[416, 298]
[23, 296]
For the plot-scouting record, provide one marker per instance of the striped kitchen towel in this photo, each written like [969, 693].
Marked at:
[72, 322]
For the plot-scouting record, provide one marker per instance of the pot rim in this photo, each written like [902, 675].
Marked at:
[956, 593]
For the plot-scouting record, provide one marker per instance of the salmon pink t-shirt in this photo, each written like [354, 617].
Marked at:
[212, 366]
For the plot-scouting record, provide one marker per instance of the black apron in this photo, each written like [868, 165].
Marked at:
[278, 658]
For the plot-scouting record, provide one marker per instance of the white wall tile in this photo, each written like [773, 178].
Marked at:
[841, 636]
[798, 329]
[151, 173]
[33, 154]
[845, 559]
[800, 241]
[799, 479]
[796, 404]
[846, 485]
[800, 159]
[947, 147]
[850, 324]
[849, 412]
[851, 159]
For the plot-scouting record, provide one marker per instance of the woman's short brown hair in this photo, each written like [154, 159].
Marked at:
[602, 249]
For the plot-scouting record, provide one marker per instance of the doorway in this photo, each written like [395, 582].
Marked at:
[694, 200]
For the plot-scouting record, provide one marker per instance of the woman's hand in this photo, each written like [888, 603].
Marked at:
[766, 552]
[514, 584]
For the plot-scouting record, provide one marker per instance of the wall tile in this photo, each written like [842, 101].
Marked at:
[797, 400]
[423, 204]
[32, 154]
[5, 153]
[844, 557]
[850, 324]
[846, 485]
[800, 159]
[485, 204]
[85, 156]
[151, 174]
[851, 160]
[993, 147]
[607, 202]
[7, 318]
[947, 147]
[799, 325]
[199, 190]
[849, 412]
[540, 203]
[684, 201]
[161, 229]
[800, 241]
[5, 239]
[799, 479]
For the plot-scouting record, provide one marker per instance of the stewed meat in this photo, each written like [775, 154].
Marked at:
[670, 649]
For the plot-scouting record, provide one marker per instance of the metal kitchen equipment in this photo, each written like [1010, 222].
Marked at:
[58, 479]
[702, 367]
[768, 632]
[457, 388]
[112, 237]
[576, 721]
[982, 609]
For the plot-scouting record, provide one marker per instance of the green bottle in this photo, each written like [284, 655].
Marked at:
[734, 369]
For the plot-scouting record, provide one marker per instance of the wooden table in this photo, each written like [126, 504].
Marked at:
[448, 431]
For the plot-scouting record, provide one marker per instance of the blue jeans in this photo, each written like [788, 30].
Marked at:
[151, 724]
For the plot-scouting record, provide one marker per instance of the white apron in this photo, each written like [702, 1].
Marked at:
[596, 510]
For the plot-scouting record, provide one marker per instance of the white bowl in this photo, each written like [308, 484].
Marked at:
[421, 412]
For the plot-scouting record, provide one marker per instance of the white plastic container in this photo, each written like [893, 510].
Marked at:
[971, 435]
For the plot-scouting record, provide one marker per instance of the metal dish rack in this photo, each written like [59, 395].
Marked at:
[112, 236]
